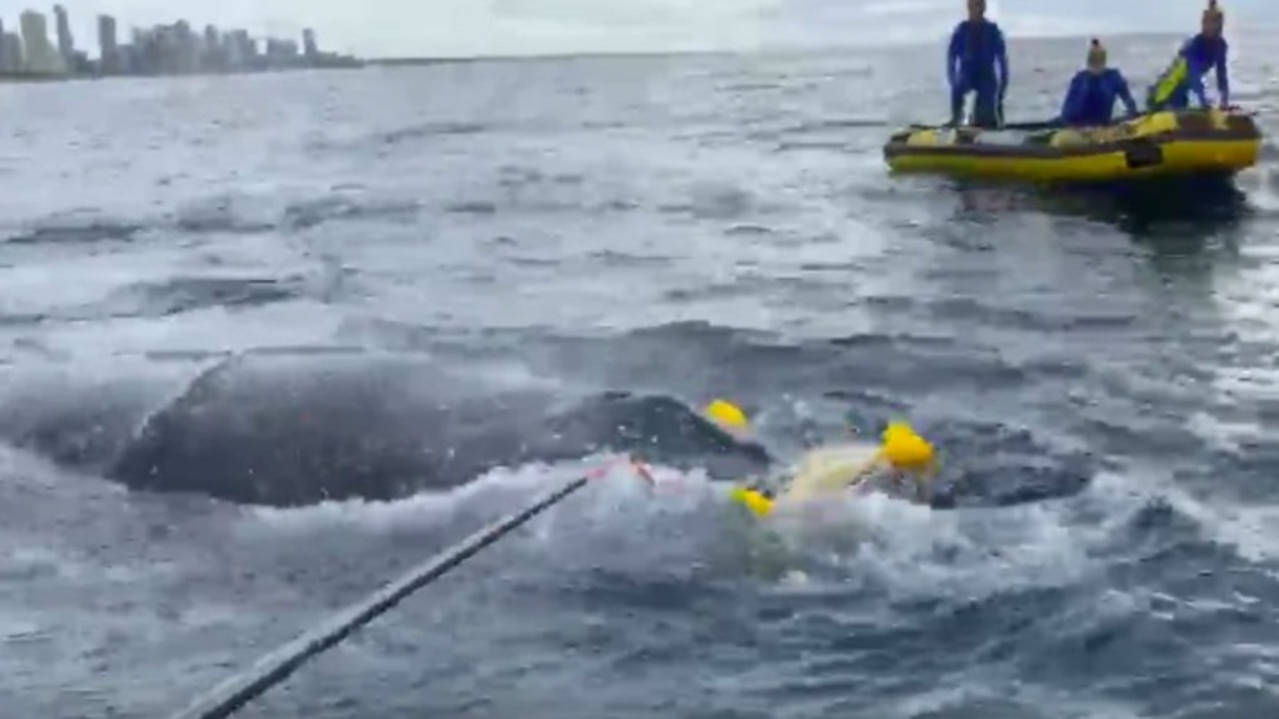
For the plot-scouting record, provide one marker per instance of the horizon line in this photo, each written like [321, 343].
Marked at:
[760, 50]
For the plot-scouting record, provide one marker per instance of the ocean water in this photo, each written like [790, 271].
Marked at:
[268, 341]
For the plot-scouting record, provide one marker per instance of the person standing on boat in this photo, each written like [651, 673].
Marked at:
[1199, 54]
[977, 62]
[1090, 100]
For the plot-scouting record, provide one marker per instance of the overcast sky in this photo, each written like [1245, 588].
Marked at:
[503, 27]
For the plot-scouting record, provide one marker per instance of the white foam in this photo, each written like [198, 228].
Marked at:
[1221, 434]
[1245, 306]
[915, 551]
[909, 549]
[1250, 530]
[419, 511]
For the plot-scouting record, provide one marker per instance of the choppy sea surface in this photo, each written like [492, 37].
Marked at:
[268, 341]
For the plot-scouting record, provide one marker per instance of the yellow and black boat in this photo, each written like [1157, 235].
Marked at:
[1183, 143]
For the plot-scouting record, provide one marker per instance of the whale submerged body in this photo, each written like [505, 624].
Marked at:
[287, 431]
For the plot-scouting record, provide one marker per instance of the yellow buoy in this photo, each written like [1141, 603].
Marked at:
[727, 414]
[753, 500]
[904, 449]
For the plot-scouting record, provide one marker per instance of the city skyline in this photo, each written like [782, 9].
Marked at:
[480, 28]
[444, 29]
[173, 48]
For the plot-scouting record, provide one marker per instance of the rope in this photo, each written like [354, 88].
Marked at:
[234, 693]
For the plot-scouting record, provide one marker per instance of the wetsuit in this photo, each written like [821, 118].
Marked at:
[976, 49]
[1091, 98]
[1185, 76]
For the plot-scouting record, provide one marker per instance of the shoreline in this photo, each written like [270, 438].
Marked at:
[32, 77]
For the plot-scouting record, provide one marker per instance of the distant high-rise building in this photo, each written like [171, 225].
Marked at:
[281, 53]
[11, 56]
[144, 51]
[231, 52]
[308, 44]
[6, 53]
[241, 51]
[66, 43]
[127, 60]
[110, 50]
[186, 47]
[40, 56]
[164, 48]
[213, 57]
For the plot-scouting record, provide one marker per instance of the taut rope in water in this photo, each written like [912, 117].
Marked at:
[233, 694]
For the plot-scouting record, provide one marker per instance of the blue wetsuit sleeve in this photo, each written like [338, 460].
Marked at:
[1070, 105]
[1223, 76]
[1121, 89]
[1195, 67]
[1001, 57]
[953, 52]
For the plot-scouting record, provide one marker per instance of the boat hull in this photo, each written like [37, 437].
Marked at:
[1159, 145]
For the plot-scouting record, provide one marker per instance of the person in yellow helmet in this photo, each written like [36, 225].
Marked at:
[901, 466]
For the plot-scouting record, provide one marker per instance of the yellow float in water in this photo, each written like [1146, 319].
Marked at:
[1183, 143]
[727, 415]
[832, 469]
[757, 503]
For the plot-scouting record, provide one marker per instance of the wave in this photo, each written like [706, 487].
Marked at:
[233, 213]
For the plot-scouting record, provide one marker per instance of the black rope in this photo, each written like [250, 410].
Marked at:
[231, 695]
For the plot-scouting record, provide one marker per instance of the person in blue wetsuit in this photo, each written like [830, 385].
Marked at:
[1092, 94]
[977, 62]
[1197, 56]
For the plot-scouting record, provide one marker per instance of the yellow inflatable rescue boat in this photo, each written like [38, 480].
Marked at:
[1182, 143]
